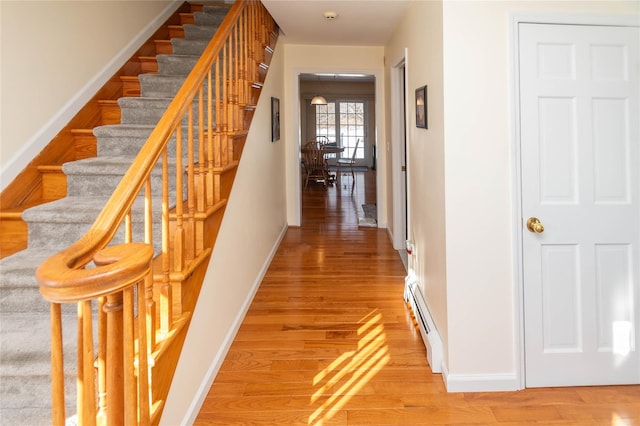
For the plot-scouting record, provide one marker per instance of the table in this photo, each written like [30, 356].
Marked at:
[331, 149]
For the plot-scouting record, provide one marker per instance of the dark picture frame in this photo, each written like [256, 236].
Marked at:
[421, 107]
[275, 119]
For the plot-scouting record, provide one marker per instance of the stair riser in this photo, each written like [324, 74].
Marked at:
[148, 65]
[13, 232]
[187, 18]
[163, 47]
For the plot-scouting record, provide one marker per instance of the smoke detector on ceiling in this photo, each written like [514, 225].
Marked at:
[330, 16]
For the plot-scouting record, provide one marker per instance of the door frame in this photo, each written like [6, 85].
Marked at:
[292, 150]
[399, 131]
[517, 219]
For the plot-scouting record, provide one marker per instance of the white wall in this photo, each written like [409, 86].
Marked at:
[54, 56]
[469, 147]
[254, 223]
[420, 33]
[312, 58]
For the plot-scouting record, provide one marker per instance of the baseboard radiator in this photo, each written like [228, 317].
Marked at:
[413, 296]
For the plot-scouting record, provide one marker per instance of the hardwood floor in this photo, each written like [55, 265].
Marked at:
[328, 340]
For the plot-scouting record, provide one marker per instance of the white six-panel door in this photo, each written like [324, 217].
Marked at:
[580, 161]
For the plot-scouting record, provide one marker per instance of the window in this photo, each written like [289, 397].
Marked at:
[326, 120]
[343, 122]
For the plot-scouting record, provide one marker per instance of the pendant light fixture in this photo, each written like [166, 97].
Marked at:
[318, 100]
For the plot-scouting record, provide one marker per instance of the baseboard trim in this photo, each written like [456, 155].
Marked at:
[46, 133]
[479, 382]
[194, 408]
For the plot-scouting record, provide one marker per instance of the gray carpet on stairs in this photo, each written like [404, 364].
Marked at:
[25, 384]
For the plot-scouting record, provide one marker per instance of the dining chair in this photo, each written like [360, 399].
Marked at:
[322, 140]
[343, 163]
[314, 162]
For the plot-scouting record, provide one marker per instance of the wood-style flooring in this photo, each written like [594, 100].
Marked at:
[328, 340]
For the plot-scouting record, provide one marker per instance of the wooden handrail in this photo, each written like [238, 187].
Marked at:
[132, 282]
[121, 201]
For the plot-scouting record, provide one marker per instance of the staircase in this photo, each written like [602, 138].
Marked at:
[25, 319]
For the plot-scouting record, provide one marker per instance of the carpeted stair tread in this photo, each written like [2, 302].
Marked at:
[121, 139]
[99, 176]
[211, 15]
[117, 164]
[160, 85]
[32, 356]
[23, 406]
[139, 110]
[72, 209]
[105, 165]
[163, 86]
[65, 210]
[182, 46]
[26, 416]
[121, 130]
[126, 140]
[18, 270]
[199, 32]
[217, 9]
[176, 64]
[25, 366]
[71, 217]
[28, 298]
[19, 288]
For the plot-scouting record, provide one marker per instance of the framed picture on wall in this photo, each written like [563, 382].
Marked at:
[421, 107]
[275, 119]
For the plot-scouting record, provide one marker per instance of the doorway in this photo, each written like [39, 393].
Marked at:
[399, 158]
[580, 203]
[346, 121]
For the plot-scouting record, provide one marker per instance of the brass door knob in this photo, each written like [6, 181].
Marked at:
[534, 225]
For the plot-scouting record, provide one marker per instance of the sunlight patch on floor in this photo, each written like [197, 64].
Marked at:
[349, 373]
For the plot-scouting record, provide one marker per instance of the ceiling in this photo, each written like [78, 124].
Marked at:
[330, 77]
[358, 22]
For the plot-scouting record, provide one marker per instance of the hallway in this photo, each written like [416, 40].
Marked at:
[328, 340]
